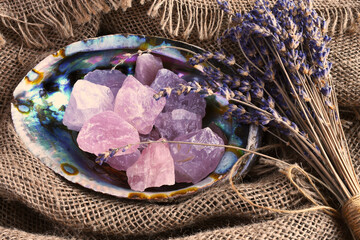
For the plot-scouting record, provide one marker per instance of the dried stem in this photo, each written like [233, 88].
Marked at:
[104, 156]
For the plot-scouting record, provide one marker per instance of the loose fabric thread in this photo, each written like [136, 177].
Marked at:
[288, 173]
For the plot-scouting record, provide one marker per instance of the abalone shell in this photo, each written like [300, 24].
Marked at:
[42, 96]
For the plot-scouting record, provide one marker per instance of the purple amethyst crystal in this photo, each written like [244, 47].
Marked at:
[154, 135]
[147, 65]
[123, 162]
[194, 162]
[113, 79]
[166, 78]
[176, 123]
[191, 102]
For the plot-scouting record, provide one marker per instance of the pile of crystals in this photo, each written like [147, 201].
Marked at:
[111, 110]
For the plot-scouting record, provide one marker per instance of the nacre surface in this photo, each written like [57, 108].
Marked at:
[42, 96]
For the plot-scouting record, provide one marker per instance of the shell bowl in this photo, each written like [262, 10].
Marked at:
[41, 98]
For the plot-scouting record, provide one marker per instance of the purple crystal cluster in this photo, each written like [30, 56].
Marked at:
[111, 110]
[113, 79]
[192, 162]
[177, 122]
[191, 102]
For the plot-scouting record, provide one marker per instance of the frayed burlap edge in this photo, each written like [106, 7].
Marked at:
[341, 19]
[205, 18]
[186, 16]
[61, 15]
[202, 17]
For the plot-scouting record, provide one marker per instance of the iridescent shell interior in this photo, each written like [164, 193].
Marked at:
[41, 98]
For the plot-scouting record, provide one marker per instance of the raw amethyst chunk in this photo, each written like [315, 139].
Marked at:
[147, 65]
[166, 78]
[113, 79]
[191, 102]
[154, 135]
[123, 162]
[194, 162]
[176, 123]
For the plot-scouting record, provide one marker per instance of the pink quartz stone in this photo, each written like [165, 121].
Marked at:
[194, 162]
[123, 162]
[113, 79]
[107, 130]
[178, 122]
[87, 99]
[154, 168]
[136, 104]
[191, 102]
[147, 65]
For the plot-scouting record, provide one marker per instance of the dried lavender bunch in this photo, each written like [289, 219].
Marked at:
[284, 86]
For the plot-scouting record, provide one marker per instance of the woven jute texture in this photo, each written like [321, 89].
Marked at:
[35, 203]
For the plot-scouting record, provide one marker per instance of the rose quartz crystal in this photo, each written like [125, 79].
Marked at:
[191, 102]
[87, 99]
[176, 123]
[194, 162]
[147, 65]
[136, 104]
[154, 168]
[123, 162]
[113, 79]
[107, 130]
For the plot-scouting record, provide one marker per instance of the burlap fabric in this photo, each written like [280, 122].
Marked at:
[35, 203]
